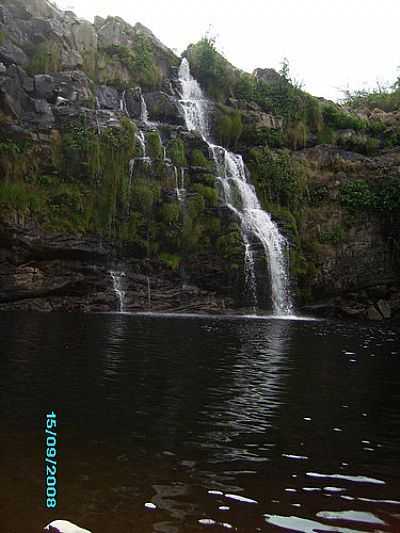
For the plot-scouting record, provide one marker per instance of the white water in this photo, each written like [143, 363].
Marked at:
[122, 104]
[144, 115]
[240, 196]
[180, 187]
[118, 288]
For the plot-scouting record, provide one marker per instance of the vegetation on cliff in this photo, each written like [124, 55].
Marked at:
[71, 165]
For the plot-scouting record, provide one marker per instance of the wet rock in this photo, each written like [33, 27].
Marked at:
[384, 308]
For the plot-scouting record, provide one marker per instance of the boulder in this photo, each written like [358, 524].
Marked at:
[268, 75]
[164, 108]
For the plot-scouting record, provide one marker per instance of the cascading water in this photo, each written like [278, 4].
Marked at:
[144, 114]
[122, 104]
[240, 196]
[118, 288]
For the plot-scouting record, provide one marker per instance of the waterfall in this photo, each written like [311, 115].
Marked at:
[118, 288]
[240, 197]
[122, 104]
[144, 114]
[180, 187]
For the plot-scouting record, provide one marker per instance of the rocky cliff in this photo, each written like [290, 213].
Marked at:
[100, 175]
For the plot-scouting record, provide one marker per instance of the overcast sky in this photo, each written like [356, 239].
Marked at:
[330, 44]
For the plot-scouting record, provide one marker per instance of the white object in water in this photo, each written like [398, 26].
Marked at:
[64, 526]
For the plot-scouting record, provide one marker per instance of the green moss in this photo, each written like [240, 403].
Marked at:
[2, 37]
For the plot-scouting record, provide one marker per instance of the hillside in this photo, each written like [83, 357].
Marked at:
[100, 174]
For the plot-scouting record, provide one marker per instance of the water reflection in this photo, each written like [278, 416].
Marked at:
[217, 422]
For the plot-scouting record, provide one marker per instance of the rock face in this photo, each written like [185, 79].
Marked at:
[90, 183]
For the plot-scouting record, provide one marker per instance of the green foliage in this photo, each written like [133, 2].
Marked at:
[209, 194]
[211, 69]
[326, 135]
[198, 159]
[2, 37]
[252, 136]
[21, 197]
[230, 247]
[278, 178]
[333, 235]
[170, 260]
[336, 118]
[154, 146]
[386, 98]
[360, 143]
[228, 126]
[46, 58]
[18, 158]
[357, 195]
[139, 60]
[176, 152]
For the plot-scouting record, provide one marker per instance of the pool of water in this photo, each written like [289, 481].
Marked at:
[186, 423]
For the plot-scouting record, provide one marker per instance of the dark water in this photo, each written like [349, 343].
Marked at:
[220, 423]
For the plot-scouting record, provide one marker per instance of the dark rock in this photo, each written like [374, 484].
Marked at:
[44, 87]
[27, 82]
[10, 54]
[74, 86]
[384, 308]
[108, 98]
[373, 313]
[164, 108]
[133, 103]
[13, 99]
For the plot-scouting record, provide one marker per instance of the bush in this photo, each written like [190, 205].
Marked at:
[357, 195]
[336, 118]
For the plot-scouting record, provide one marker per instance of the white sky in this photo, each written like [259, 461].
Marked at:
[330, 44]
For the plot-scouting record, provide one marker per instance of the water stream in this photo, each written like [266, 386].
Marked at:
[118, 288]
[239, 195]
